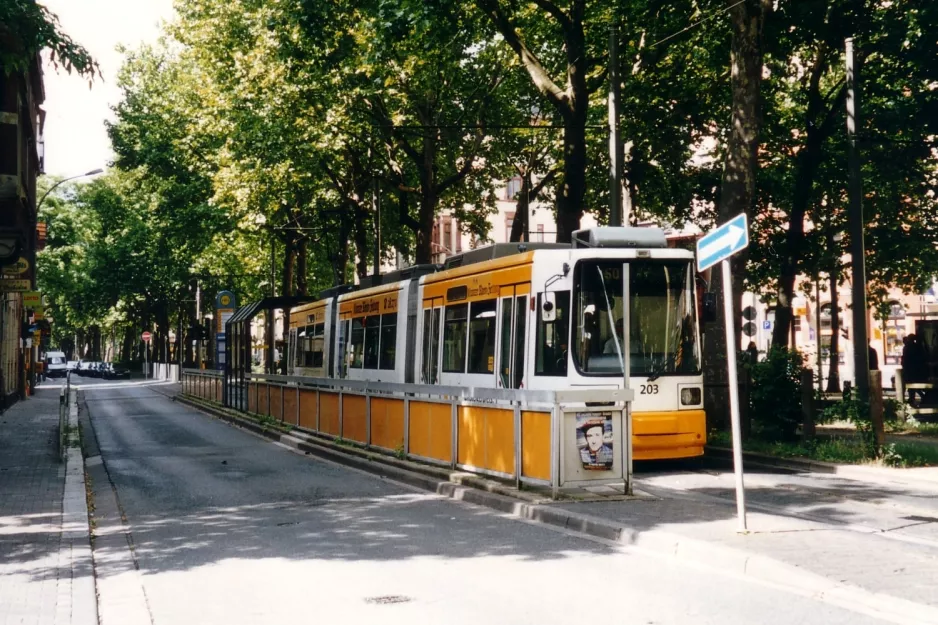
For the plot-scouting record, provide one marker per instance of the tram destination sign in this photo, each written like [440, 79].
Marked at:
[723, 242]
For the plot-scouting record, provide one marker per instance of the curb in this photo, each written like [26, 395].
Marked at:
[657, 542]
[81, 606]
[849, 471]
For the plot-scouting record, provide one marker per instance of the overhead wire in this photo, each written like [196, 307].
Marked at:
[698, 23]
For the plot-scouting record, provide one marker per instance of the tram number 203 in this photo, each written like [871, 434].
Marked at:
[648, 389]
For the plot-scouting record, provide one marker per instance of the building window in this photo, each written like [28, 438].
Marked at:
[513, 188]
[458, 236]
[509, 221]
[539, 237]
[896, 310]
[447, 235]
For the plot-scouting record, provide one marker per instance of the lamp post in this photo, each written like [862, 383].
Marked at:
[93, 172]
[33, 353]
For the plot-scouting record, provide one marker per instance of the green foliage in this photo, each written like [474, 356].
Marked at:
[27, 28]
[856, 412]
[842, 450]
[775, 396]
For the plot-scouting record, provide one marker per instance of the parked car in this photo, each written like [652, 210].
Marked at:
[115, 372]
[55, 364]
[71, 365]
[84, 367]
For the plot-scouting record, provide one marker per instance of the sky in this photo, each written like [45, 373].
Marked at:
[75, 137]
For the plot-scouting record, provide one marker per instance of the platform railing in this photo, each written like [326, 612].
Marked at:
[529, 436]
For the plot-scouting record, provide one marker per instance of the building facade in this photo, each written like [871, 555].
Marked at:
[21, 123]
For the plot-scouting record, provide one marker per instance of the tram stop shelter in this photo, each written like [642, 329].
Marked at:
[240, 342]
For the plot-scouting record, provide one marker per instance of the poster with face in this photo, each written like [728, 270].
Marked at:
[594, 440]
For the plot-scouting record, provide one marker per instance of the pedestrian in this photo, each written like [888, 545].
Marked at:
[752, 352]
[912, 365]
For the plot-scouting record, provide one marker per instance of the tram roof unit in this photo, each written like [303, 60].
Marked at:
[619, 237]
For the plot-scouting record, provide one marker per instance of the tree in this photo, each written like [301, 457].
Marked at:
[27, 28]
[803, 157]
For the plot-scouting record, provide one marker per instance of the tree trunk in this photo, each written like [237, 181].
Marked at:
[190, 353]
[289, 265]
[519, 227]
[361, 243]
[428, 199]
[808, 160]
[340, 258]
[302, 261]
[737, 190]
[572, 188]
[833, 371]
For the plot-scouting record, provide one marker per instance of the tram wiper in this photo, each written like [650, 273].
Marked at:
[656, 372]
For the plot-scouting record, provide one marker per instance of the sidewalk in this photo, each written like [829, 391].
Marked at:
[817, 556]
[39, 571]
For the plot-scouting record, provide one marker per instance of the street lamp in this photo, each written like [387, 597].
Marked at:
[93, 172]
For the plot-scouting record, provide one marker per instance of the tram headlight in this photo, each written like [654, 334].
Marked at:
[690, 396]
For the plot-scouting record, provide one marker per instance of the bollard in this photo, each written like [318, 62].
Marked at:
[876, 409]
[808, 429]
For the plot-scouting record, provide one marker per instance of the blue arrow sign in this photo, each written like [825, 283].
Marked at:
[722, 242]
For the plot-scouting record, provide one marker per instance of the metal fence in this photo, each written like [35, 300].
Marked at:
[522, 435]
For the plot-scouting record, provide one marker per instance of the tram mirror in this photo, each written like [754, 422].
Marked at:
[709, 312]
[548, 307]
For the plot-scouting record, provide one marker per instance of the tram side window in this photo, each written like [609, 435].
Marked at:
[520, 327]
[431, 341]
[552, 337]
[482, 337]
[343, 349]
[317, 341]
[311, 345]
[454, 339]
[372, 333]
[388, 340]
[357, 344]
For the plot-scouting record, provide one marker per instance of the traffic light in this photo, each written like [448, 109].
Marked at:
[749, 327]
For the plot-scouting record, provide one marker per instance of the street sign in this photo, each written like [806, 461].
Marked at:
[717, 247]
[21, 266]
[723, 242]
[32, 300]
[146, 336]
[766, 325]
[749, 328]
[13, 286]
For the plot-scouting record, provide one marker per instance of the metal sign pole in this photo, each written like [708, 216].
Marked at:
[627, 374]
[734, 393]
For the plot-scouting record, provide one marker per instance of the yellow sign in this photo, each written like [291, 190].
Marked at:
[32, 299]
[21, 266]
[39, 315]
[14, 286]
[225, 300]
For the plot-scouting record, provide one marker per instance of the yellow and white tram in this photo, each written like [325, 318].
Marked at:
[534, 316]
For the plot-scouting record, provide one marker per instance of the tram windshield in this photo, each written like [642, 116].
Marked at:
[662, 318]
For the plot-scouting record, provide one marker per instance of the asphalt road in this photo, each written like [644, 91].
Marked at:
[222, 527]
